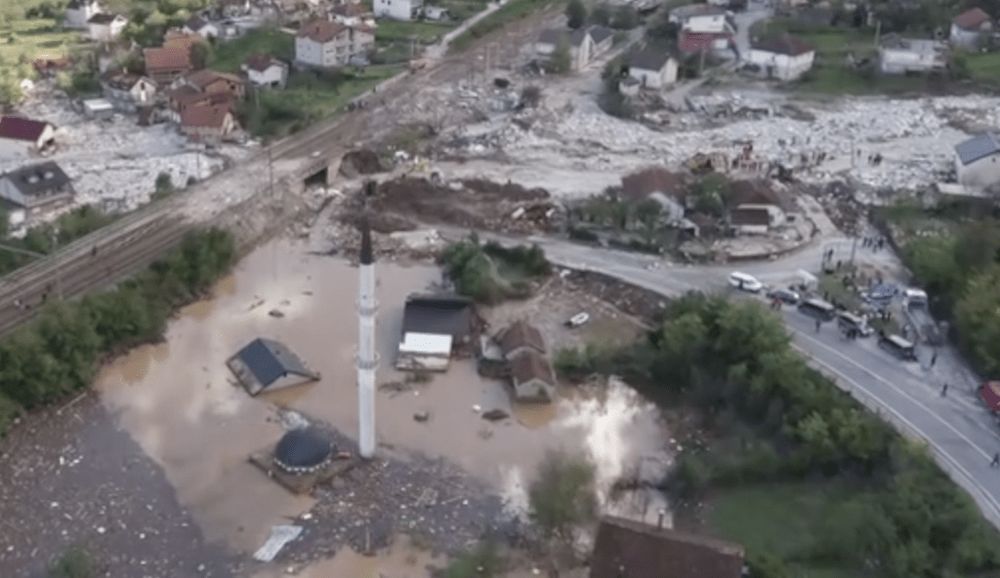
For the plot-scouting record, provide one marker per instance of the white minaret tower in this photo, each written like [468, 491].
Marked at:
[367, 360]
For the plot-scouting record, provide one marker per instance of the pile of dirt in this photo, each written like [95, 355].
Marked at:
[635, 301]
[360, 162]
[504, 192]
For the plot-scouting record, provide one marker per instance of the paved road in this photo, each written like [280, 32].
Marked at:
[959, 431]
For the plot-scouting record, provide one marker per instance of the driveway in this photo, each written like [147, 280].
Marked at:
[755, 12]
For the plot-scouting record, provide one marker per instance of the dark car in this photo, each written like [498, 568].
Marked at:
[784, 295]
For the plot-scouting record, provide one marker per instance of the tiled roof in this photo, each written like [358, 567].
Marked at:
[166, 58]
[38, 179]
[209, 116]
[521, 334]
[203, 78]
[17, 128]
[649, 59]
[531, 365]
[977, 147]
[971, 19]
[261, 62]
[321, 31]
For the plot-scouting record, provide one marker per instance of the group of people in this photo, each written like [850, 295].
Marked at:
[873, 243]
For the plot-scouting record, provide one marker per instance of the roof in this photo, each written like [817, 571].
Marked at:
[178, 39]
[552, 36]
[637, 550]
[599, 33]
[103, 18]
[971, 19]
[261, 62]
[37, 179]
[754, 192]
[750, 216]
[203, 78]
[640, 185]
[78, 4]
[352, 9]
[784, 44]
[303, 449]
[270, 360]
[649, 59]
[321, 31]
[692, 10]
[438, 314]
[195, 23]
[977, 147]
[167, 58]
[17, 128]
[521, 334]
[689, 42]
[124, 80]
[205, 116]
[920, 45]
[531, 365]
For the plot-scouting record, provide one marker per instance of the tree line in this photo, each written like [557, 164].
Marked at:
[734, 362]
[58, 353]
[961, 273]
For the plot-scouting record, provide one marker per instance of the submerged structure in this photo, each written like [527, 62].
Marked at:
[267, 365]
[303, 451]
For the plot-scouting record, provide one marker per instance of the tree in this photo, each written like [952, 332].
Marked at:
[649, 213]
[561, 60]
[10, 91]
[563, 497]
[625, 18]
[163, 186]
[977, 318]
[201, 53]
[601, 14]
[4, 222]
[74, 563]
[709, 194]
[576, 14]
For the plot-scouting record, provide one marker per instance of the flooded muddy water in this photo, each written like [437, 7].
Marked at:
[180, 402]
[403, 560]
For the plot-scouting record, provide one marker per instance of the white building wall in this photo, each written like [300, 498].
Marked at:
[313, 53]
[273, 75]
[709, 23]
[964, 38]
[782, 66]
[981, 173]
[397, 9]
[656, 79]
[895, 61]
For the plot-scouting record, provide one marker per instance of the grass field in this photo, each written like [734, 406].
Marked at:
[228, 56]
[36, 38]
[309, 98]
[511, 11]
[780, 518]
[423, 32]
[984, 67]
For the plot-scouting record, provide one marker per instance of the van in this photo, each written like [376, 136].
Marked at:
[818, 309]
[847, 321]
[898, 346]
[745, 282]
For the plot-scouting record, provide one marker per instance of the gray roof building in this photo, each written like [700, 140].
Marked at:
[444, 314]
[35, 185]
[649, 59]
[268, 364]
[977, 147]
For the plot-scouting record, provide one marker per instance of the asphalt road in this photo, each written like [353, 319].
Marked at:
[959, 431]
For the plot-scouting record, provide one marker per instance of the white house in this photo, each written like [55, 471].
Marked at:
[898, 55]
[783, 57]
[326, 44]
[970, 28]
[105, 27]
[436, 13]
[584, 44]
[398, 9]
[265, 71]
[653, 68]
[35, 189]
[700, 19]
[532, 377]
[201, 27]
[977, 161]
[129, 91]
[79, 12]
[23, 136]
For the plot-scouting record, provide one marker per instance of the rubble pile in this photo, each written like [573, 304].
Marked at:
[360, 162]
[427, 498]
[913, 139]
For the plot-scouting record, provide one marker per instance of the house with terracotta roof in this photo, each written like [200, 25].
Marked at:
[23, 136]
[105, 27]
[353, 14]
[265, 71]
[208, 123]
[327, 44]
[520, 337]
[532, 377]
[212, 82]
[34, 190]
[784, 57]
[970, 28]
[164, 65]
[637, 550]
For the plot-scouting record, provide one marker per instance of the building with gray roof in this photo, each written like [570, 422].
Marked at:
[265, 364]
[976, 164]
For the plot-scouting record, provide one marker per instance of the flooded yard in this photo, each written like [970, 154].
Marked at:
[182, 406]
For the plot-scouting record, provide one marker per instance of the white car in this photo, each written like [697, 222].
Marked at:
[745, 282]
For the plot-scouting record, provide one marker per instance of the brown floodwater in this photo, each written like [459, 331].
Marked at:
[180, 402]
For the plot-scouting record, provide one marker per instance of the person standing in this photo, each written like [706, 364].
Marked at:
[944, 390]
[933, 358]
[996, 460]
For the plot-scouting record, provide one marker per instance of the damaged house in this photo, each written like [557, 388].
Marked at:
[34, 190]
[23, 136]
[433, 325]
[268, 365]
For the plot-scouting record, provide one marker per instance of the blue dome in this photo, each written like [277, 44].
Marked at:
[303, 450]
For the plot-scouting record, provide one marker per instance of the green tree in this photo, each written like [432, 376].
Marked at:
[625, 18]
[10, 91]
[201, 54]
[649, 214]
[561, 60]
[4, 223]
[163, 186]
[977, 318]
[601, 14]
[563, 497]
[576, 14]
[74, 563]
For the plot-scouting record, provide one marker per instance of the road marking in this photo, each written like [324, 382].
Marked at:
[953, 461]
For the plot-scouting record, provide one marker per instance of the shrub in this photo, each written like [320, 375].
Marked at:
[74, 563]
[562, 496]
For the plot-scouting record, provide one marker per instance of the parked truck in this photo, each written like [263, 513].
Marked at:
[917, 311]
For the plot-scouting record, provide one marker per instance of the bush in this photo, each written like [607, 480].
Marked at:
[481, 562]
[562, 496]
[74, 563]
[479, 271]
[691, 476]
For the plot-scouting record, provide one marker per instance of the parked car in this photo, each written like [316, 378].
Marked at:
[898, 346]
[745, 282]
[786, 296]
[578, 319]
